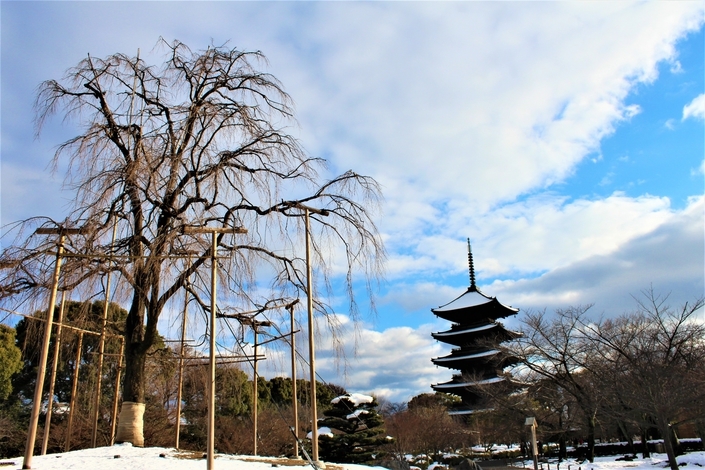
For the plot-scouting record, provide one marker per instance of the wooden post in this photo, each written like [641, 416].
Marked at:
[254, 393]
[52, 382]
[293, 384]
[116, 396]
[214, 231]
[181, 368]
[534, 449]
[101, 352]
[311, 347]
[211, 388]
[44, 353]
[74, 387]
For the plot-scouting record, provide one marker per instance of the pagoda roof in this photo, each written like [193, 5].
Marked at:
[465, 357]
[467, 383]
[460, 335]
[455, 331]
[473, 305]
[473, 297]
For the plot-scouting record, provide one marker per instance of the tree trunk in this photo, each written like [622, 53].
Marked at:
[646, 453]
[675, 442]
[562, 446]
[700, 431]
[665, 431]
[627, 436]
[130, 422]
[591, 438]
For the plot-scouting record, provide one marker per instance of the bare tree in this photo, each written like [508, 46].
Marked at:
[553, 348]
[643, 368]
[654, 365]
[199, 141]
[426, 427]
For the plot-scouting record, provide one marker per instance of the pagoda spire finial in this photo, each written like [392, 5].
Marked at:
[471, 266]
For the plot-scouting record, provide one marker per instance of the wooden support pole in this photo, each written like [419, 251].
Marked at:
[211, 381]
[181, 369]
[214, 231]
[311, 347]
[44, 353]
[116, 396]
[74, 388]
[254, 394]
[534, 449]
[293, 383]
[101, 351]
[52, 381]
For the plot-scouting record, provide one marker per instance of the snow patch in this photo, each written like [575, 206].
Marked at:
[324, 431]
[357, 414]
[356, 398]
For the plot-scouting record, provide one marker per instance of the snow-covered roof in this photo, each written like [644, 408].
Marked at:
[466, 331]
[491, 352]
[472, 297]
[469, 384]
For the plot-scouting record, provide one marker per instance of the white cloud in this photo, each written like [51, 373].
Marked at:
[473, 101]
[535, 235]
[394, 363]
[487, 104]
[669, 258]
[607, 179]
[452, 130]
[698, 171]
[695, 109]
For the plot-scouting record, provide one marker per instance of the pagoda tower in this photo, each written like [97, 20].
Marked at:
[476, 334]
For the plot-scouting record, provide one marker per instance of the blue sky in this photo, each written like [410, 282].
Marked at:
[654, 152]
[565, 139]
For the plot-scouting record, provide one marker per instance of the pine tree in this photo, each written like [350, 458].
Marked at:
[10, 360]
[357, 429]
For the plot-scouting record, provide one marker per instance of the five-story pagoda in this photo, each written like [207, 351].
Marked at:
[476, 334]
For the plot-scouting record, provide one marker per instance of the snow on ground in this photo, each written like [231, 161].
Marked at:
[691, 461]
[124, 456]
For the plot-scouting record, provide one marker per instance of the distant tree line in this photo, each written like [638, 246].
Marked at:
[640, 374]
[585, 378]
[234, 389]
